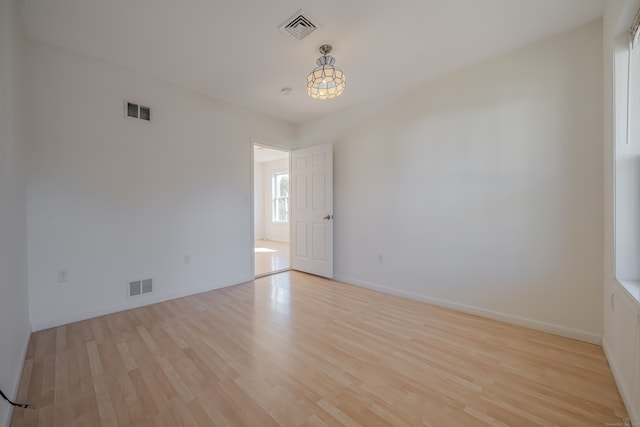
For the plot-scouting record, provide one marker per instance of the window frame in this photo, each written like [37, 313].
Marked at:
[276, 197]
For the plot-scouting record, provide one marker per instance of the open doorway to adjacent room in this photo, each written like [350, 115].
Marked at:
[271, 209]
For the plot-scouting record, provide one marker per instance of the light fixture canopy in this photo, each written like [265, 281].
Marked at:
[326, 81]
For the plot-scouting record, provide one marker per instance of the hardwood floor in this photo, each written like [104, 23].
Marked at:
[270, 256]
[296, 350]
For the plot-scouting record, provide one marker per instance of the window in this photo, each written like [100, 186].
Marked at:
[627, 152]
[280, 197]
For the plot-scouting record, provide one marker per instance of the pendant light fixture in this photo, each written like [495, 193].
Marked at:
[326, 81]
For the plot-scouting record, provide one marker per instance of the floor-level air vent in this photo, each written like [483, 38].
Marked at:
[135, 288]
[140, 287]
[137, 111]
[147, 286]
[299, 25]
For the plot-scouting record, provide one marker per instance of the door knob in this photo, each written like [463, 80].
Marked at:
[328, 217]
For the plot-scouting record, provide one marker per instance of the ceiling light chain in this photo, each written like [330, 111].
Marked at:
[326, 81]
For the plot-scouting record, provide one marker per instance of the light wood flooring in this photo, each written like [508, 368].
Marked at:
[270, 256]
[296, 350]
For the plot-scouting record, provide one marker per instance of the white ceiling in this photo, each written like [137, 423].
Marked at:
[234, 51]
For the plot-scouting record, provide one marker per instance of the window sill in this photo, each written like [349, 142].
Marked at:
[632, 288]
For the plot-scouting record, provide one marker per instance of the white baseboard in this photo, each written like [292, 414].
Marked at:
[551, 328]
[128, 305]
[634, 413]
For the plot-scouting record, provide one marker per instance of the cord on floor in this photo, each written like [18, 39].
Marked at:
[19, 405]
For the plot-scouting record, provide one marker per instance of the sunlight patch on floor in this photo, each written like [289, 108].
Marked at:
[264, 250]
[270, 256]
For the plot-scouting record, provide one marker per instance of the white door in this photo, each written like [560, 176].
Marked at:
[312, 210]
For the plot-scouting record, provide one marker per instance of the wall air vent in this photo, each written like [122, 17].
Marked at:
[140, 287]
[147, 286]
[135, 288]
[299, 25]
[137, 111]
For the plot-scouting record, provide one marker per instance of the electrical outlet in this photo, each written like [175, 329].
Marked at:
[379, 258]
[63, 276]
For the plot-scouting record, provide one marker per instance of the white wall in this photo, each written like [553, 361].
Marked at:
[278, 232]
[113, 199]
[14, 319]
[482, 190]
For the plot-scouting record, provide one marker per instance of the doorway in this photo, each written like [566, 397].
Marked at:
[271, 210]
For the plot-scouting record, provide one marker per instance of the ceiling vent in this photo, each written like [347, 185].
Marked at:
[299, 25]
[136, 111]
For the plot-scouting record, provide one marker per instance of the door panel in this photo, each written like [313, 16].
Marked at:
[312, 212]
[300, 239]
